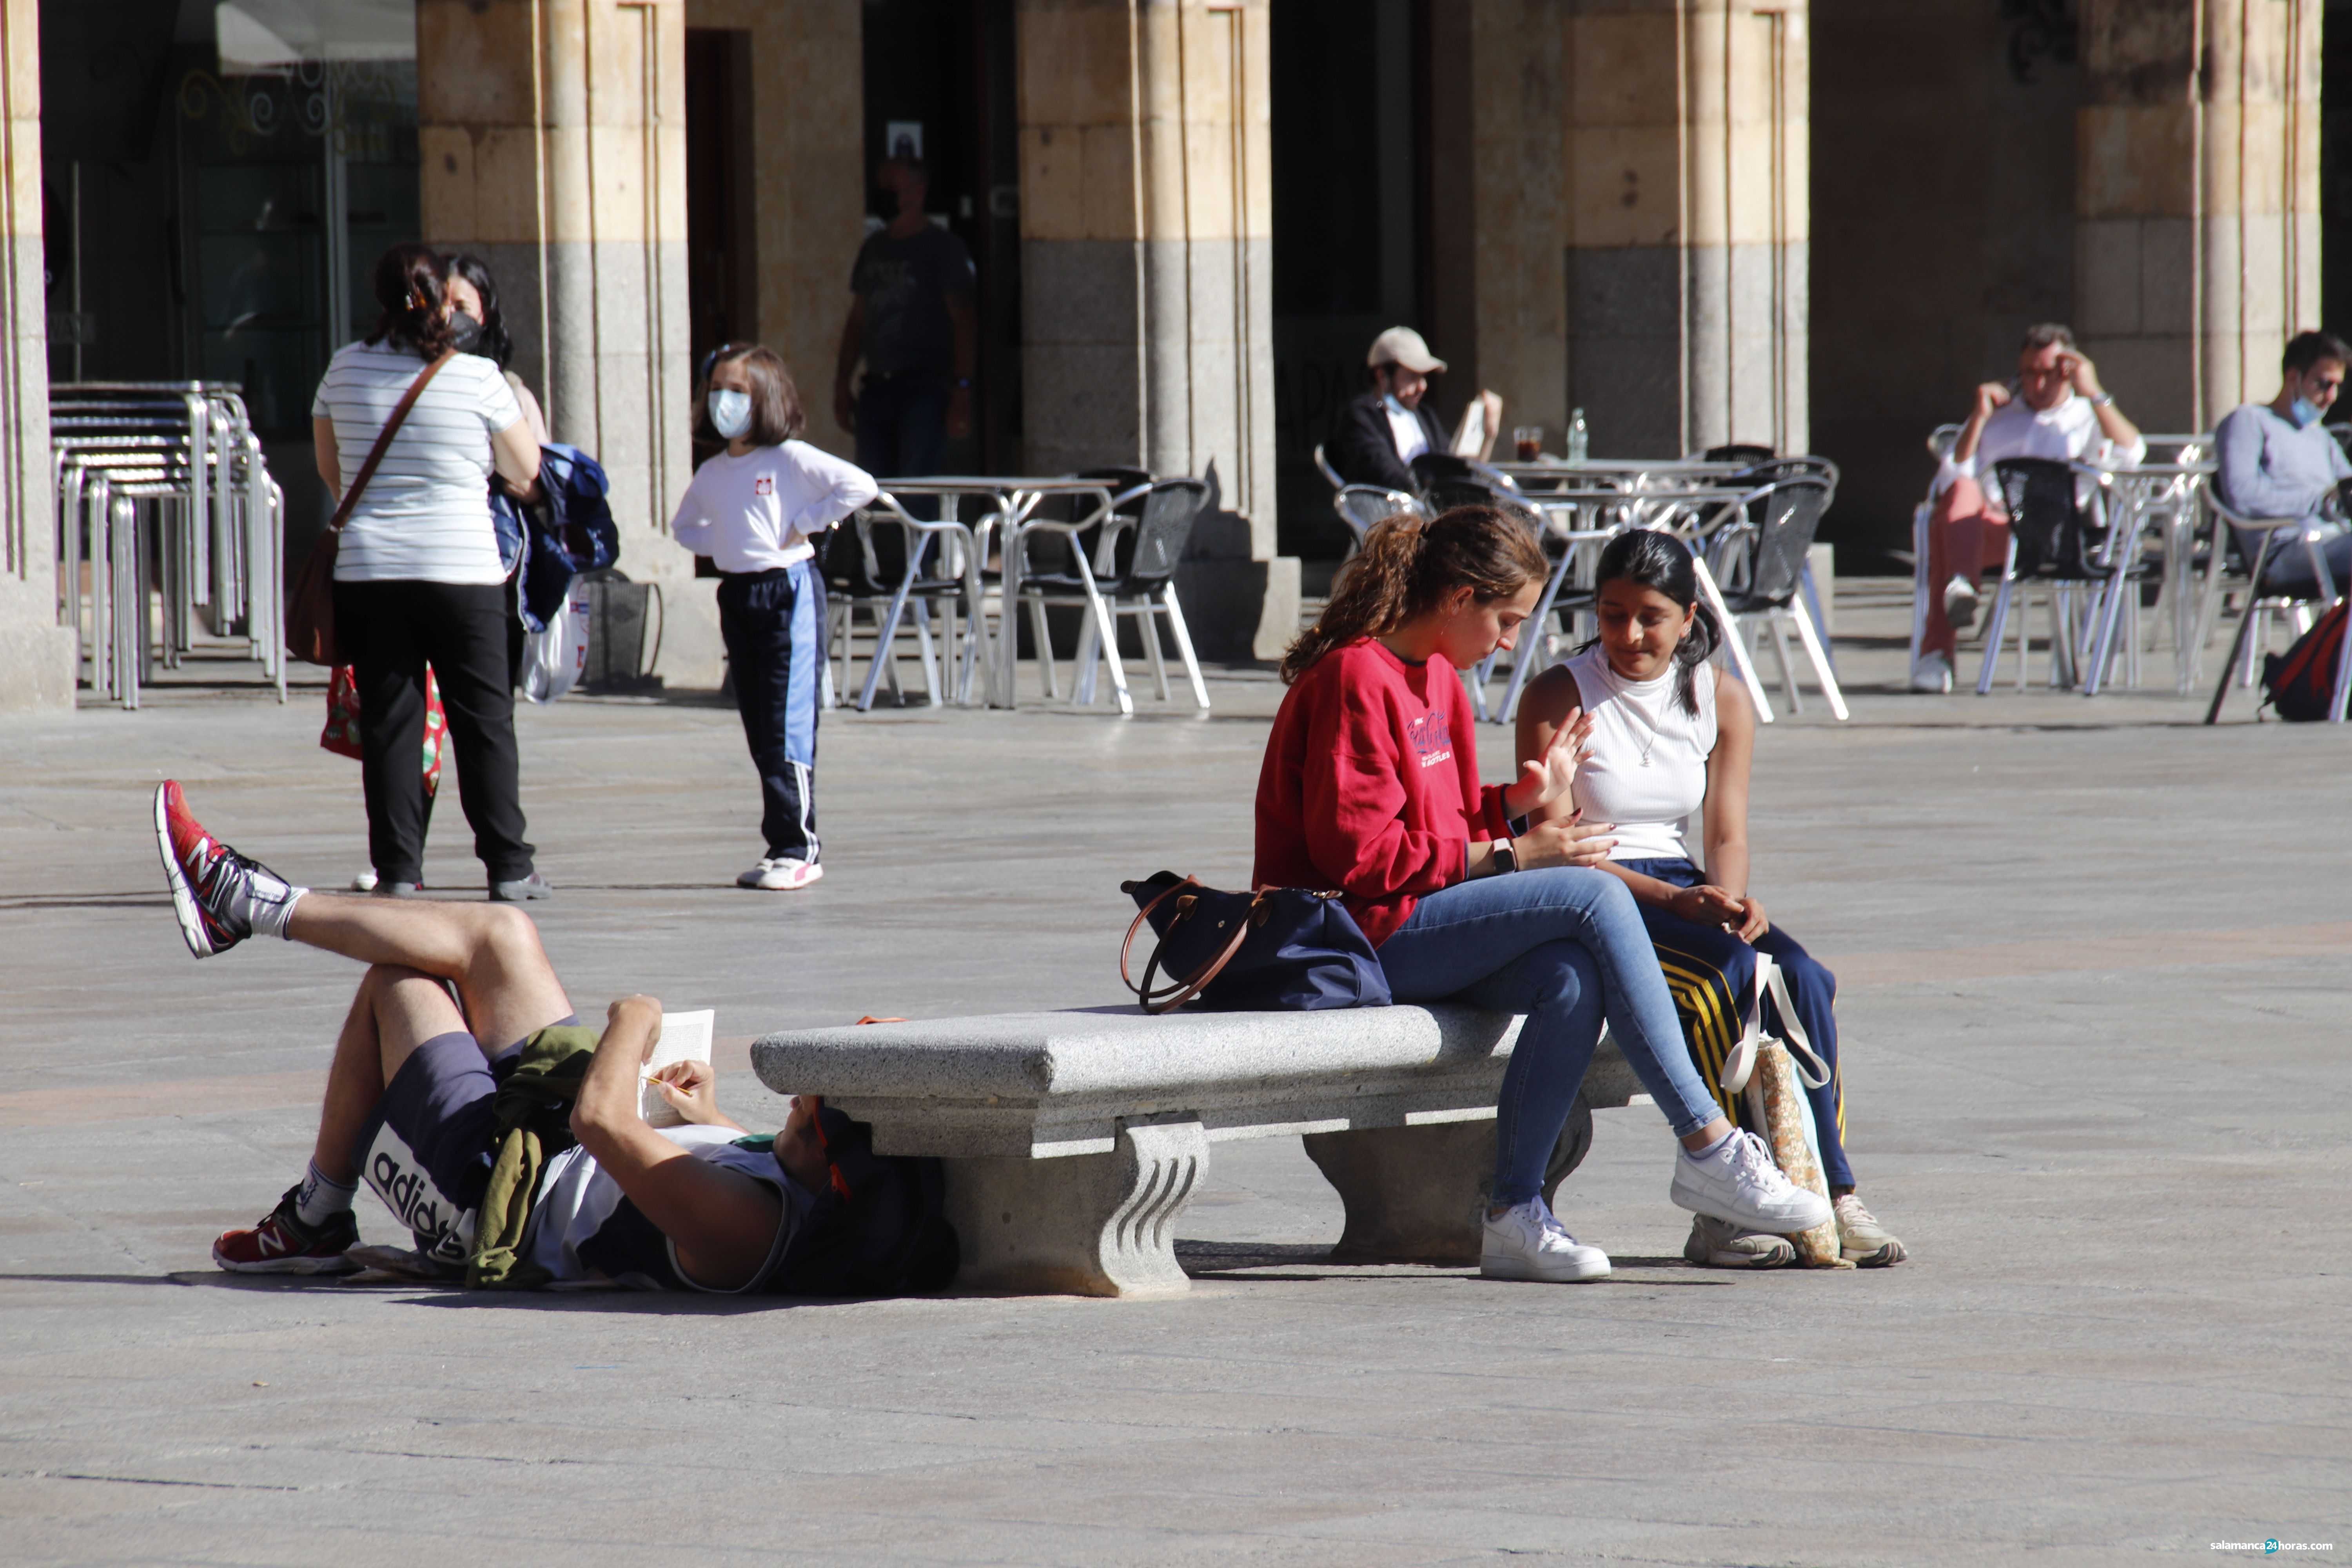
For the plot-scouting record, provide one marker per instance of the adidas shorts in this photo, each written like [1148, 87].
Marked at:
[427, 1149]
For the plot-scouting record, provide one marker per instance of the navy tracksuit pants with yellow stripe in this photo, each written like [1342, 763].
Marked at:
[1712, 973]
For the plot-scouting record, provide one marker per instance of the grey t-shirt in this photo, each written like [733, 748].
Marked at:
[904, 284]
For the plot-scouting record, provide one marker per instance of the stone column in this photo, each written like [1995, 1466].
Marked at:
[1687, 245]
[2197, 227]
[1147, 261]
[551, 135]
[37, 654]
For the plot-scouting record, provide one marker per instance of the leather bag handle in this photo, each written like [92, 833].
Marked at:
[1178, 991]
[384, 439]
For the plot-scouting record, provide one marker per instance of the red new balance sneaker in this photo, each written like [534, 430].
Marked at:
[282, 1244]
[219, 895]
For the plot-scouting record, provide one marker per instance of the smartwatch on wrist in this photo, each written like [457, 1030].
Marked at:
[1507, 854]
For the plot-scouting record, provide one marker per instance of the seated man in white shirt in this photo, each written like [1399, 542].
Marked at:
[2056, 409]
[1377, 435]
[2278, 460]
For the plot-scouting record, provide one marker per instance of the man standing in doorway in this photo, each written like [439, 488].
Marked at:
[911, 320]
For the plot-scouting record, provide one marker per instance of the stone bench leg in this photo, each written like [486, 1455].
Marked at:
[1085, 1224]
[1415, 1195]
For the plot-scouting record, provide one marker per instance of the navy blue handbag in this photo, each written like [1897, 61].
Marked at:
[1281, 949]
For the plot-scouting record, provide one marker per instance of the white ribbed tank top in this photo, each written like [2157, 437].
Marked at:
[1647, 771]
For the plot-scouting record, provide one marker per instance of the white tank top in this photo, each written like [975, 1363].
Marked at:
[1647, 771]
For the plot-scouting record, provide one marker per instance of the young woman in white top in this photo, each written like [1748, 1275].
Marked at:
[1672, 740]
[418, 580]
[753, 509]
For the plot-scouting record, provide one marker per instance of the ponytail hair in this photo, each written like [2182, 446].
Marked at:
[407, 285]
[1648, 559]
[1408, 566]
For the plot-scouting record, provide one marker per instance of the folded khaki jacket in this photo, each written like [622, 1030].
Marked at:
[533, 1109]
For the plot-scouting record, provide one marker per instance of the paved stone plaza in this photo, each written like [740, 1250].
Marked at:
[2095, 959]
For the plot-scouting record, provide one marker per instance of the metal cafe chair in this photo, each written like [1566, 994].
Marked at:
[882, 561]
[1133, 574]
[2052, 540]
[1760, 565]
[1940, 442]
[1361, 505]
[2276, 536]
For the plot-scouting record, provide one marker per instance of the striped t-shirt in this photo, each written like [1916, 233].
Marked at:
[426, 514]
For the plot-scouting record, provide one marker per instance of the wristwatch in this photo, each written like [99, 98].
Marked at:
[1507, 854]
[2101, 399]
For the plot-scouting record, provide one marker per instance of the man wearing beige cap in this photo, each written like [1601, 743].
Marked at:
[1378, 434]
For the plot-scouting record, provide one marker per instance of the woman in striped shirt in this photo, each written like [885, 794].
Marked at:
[417, 578]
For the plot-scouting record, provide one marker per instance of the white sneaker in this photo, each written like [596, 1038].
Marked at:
[781, 875]
[1740, 1183]
[1862, 1240]
[1715, 1245]
[1961, 603]
[1525, 1242]
[1933, 674]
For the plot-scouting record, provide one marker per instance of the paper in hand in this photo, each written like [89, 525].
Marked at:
[685, 1037]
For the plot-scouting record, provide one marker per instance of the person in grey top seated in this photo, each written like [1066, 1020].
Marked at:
[2277, 459]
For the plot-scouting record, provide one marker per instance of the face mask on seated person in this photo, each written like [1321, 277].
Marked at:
[730, 412]
[2303, 412]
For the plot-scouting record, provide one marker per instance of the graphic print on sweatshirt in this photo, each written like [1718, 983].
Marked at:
[1432, 737]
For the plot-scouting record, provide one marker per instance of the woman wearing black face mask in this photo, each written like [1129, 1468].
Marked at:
[478, 327]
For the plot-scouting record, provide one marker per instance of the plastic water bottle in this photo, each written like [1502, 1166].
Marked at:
[1580, 439]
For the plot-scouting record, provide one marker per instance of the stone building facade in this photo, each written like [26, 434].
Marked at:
[1812, 225]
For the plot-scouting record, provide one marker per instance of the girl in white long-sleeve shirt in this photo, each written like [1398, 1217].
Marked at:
[754, 509]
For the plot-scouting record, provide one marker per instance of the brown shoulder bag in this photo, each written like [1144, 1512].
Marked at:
[311, 608]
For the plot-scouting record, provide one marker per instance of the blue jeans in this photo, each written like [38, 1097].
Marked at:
[1566, 946]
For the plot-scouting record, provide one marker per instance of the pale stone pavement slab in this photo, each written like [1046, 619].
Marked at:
[2096, 960]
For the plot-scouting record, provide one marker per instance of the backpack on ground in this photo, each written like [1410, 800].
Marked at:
[2300, 682]
[878, 1228]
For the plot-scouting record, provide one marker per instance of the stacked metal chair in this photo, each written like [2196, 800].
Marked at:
[162, 491]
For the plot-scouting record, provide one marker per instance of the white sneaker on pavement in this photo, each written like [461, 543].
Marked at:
[1932, 674]
[1715, 1245]
[780, 875]
[1527, 1242]
[1961, 603]
[1737, 1181]
[1862, 1240]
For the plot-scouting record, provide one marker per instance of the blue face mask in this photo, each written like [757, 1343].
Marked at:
[730, 412]
[1389, 401]
[2303, 415]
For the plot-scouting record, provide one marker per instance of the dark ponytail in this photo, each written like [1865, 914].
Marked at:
[1648, 559]
[1408, 566]
[407, 284]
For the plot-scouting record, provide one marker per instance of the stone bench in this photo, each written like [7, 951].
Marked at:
[1073, 1141]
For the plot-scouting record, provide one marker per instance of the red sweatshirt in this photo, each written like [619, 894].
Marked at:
[1370, 786]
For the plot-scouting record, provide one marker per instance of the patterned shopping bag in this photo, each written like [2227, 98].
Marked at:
[341, 735]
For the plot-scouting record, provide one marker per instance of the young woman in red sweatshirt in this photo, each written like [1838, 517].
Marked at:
[1370, 786]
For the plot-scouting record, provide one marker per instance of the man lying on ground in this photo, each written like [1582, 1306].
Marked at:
[415, 1104]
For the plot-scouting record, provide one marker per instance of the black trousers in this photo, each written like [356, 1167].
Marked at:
[773, 624]
[389, 632]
